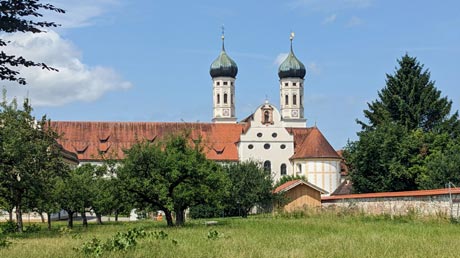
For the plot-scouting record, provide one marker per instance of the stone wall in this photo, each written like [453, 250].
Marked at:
[438, 203]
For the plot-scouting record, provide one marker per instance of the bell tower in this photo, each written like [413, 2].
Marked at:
[223, 72]
[292, 73]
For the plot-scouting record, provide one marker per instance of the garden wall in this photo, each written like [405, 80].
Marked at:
[437, 202]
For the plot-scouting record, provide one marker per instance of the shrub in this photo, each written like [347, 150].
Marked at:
[8, 227]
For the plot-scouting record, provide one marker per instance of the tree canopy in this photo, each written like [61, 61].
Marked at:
[171, 175]
[409, 135]
[30, 158]
[21, 16]
[411, 99]
[250, 185]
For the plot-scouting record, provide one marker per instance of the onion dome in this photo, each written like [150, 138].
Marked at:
[223, 66]
[291, 67]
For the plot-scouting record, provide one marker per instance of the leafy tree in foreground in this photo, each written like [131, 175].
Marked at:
[250, 185]
[29, 157]
[410, 127]
[76, 191]
[171, 175]
[21, 16]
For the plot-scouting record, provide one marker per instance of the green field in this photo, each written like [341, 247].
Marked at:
[263, 236]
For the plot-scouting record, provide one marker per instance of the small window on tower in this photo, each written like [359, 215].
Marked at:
[294, 99]
[218, 98]
[294, 84]
[218, 83]
[286, 100]
[286, 84]
[225, 83]
[231, 83]
[225, 98]
[231, 99]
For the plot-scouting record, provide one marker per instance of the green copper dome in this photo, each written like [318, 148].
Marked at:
[291, 67]
[223, 66]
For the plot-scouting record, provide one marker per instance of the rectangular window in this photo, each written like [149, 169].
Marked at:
[225, 83]
[218, 83]
[286, 84]
[294, 84]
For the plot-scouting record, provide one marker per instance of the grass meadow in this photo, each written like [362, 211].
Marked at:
[320, 235]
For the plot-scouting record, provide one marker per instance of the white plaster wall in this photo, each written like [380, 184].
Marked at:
[222, 89]
[259, 134]
[324, 173]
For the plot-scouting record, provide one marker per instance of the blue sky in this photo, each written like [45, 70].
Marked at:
[148, 60]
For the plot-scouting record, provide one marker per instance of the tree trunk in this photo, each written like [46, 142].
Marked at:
[180, 217]
[70, 219]
[48, 214]
[84, 219]
[99, 218]
[10, 213]
[116, 215]
[19, 218]
[169, 219]
[42, 217]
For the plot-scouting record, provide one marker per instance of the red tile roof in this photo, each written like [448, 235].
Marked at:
[91, 139]
[394, 194]
[311, 143]
[293, 183]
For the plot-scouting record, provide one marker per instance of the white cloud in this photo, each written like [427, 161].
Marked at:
[354, 21]
[80, 13]
[280, 58]
[330, 19]
[75, 81]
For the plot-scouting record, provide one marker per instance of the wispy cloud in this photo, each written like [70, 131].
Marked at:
[354, 21]
[313, 68]
[75, 81]
[331, 5]
[280, 58]
[330, 19]
[80, 13]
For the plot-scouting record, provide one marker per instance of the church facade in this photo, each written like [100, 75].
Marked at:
[278, 138]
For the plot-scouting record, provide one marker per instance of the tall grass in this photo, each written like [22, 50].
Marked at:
[311, 234]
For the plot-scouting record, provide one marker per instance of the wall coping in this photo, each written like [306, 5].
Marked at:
[442, 191]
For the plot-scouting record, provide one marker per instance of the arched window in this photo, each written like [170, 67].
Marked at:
[218, 98]
[283, 169]
[231, 98]
[225, 98]
[268, 166]
[286, 100]
[294, 99]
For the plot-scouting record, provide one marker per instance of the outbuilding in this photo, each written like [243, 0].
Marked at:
[299, 194]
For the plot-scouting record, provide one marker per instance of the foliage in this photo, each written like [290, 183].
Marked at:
[21, 16]
[403, 147]
[206, 211]
[171, 175]
[288, 178]
[32, 228]
[4, 242]
[214, 234]
[31, 158]
[8, 227]
[411, 100]
[250, 185]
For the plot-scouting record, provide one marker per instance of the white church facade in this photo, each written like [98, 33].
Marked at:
[278, 138]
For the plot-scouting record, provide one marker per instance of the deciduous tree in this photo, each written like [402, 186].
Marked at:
[21, 16]
[171, 175]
